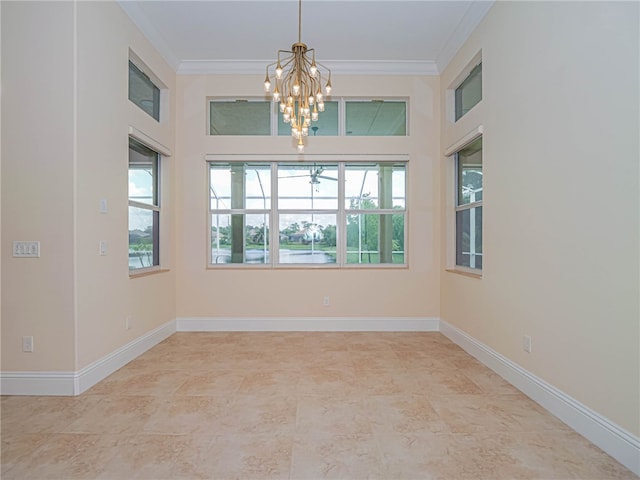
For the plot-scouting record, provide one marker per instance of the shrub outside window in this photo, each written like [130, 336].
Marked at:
[144, 206]
[469, 205]
[317, 222]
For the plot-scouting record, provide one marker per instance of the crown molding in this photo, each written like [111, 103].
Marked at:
[341, 67]
[474, 15]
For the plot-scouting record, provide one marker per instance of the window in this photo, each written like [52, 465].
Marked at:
[240, 117]
[341, 117]
[376, 118]
[143, 92]
[297, 214]
[469, 92]
[468, 209]
[144, 206]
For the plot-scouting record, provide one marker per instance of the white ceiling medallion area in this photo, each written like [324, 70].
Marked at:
[359, 37]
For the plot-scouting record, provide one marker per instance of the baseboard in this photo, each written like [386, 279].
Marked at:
[101, 369]
[617, 442]
[74, 383]
[308, 324]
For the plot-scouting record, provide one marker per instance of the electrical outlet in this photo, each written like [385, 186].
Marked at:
[325, 301]
[103, 247]
[27, 344]
[26, 249]
[526, 343]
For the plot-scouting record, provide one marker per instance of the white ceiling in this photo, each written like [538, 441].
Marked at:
[350, 36]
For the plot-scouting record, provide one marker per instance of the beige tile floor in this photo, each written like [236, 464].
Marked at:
[297, 406]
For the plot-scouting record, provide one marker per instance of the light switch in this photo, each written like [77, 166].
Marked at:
[103, 205]
[103, 247]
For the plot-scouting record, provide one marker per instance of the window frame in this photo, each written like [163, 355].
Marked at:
[342, 121]
[475, 72]
[470, 206]
[340, 212]
[154, 207]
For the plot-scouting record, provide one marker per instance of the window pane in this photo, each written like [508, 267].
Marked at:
[143, 238]
[326, 125]
[374, 186]
[375, 238]
[308, 187]
[307, 238]
[376, 118]
[143, 92]
[240, 186]
[240, 117]
[469, 238]
[143, 174]
[469, 172]
[469, 93]
[240, 238]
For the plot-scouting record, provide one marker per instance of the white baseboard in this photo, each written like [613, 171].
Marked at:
[308, 324]
[617, 442]
[74, 383]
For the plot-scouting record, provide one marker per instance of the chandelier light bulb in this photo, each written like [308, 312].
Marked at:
[278, 71]
[296, 89]
[282, 107]
[321, 106]
[300, 145]
[267, 84]
[276, 95]
[314, 115]
[286, 118]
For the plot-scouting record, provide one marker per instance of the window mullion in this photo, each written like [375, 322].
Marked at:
[274, 217]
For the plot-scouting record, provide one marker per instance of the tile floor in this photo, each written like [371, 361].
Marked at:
[296, 406]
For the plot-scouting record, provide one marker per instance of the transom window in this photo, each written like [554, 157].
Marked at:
[469, 205]
[469, 92]
[341, 117]
[327, 213]
[143, 92]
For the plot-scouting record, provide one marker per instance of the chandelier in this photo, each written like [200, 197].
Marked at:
[298, 90]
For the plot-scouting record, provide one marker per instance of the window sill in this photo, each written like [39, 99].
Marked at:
[465, 273]
[146, 272]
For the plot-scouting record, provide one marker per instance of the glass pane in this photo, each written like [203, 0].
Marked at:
[143, 92]
[469, 172]
[376, 118]
[240, 238]
[326, 125]
[469, 93]
[240, 186]
[307, 238]
[375, 238]
[469, 238]
[240, 117]
[371, 186]
[143, 174]
[143, 238]
[308, 187]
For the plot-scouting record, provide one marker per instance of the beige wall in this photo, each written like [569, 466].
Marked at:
[65, 146]
[561, 210]
[407, 292]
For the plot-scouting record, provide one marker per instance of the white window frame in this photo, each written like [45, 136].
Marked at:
[450, 94]
[342, 101]
[452, 207]
[341, 212]
[155, 80]
[162, 152]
